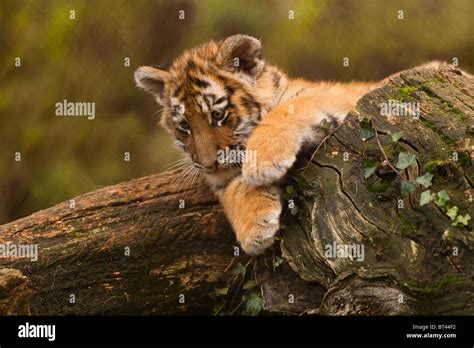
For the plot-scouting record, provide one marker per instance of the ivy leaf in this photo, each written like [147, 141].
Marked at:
[366, 129]
[407, 186]
[462, 220]
[366, 134]
[238, 269]
[369, 168]
[369, 171]
[277, 261]
[405, 160]
[443, 197]
[452, 213]
[249, 285]
[425, 180]
[221, 291]
[426, 197]
[396, 136]
[253, 306]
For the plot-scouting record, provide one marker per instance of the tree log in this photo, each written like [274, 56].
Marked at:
[133, 248]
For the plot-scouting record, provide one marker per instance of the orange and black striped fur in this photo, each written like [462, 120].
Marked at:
[222, 95]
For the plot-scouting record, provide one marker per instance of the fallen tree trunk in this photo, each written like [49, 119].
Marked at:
[123, 249]
[148, 247]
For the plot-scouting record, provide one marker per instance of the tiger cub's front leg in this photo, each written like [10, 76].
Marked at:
[295, 122]
[254, 213]
[277, 140]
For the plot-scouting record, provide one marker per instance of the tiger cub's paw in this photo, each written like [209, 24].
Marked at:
[255, 216]
[274, 156]
[259, 234]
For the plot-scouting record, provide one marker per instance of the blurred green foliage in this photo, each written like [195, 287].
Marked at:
[83, 60]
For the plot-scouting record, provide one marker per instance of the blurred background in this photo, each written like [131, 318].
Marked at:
[84, 59]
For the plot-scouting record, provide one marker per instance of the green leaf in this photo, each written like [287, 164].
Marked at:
[452, 213]
[407, 186]
[253, 306]
[221, 291]
[238, 269]
[396, 136]
[277, 261]
[462, 220]
[405, 160]
[366, 129]
[426, 197]
[369, 168]
[249, 285]
[366, 134]
[443, 197]
[368, 172]
[425, 180]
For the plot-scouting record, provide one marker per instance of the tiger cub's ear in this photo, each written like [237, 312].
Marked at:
[152, 80]
[241, 53]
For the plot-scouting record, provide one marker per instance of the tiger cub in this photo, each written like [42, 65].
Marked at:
[221, 97]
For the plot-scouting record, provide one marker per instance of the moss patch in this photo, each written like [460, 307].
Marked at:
[431, 166]
[77, 233]
[438, 131]
[463, 158]
[405, 93]
[378, 186]
[447, 105]
[407, 228]
[458, 113]
[429, 289]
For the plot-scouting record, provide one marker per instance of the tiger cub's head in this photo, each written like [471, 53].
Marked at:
[213, 96]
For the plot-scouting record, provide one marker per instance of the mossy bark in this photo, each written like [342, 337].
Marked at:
[131, 249]
[416, 261]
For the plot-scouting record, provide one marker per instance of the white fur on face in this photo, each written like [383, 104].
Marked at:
[178, 113]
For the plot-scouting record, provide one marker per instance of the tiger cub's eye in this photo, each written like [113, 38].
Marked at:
[218, 115]
[183, 125]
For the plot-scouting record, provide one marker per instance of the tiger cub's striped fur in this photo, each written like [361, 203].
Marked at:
[222, 95]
